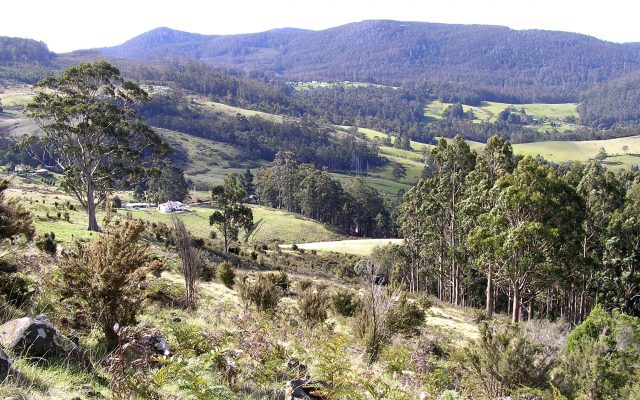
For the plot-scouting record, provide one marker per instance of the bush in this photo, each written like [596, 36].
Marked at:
[304, 284]
[281, 280]
[225, 274]
[15, 287]
[345, 302]
[262, 293]
[166, 294]
[602, 357]
[505, 359]
[103, 278]
[406, 317]
[47, 243]
[197, 243]
[116, 202]
[424, 302]
[313, 305]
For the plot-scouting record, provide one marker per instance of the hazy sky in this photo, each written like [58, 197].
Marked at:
[73, 24]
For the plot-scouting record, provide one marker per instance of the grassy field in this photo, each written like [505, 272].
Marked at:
[233, 111]
[585, 150]
[358, 247]
[551, 116]
[345, 84]
[271, 224]
[16, 96]
[208, 162]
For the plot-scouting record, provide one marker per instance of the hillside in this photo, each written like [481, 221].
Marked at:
[496, 62]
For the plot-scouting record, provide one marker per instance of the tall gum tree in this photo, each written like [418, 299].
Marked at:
[91, 132]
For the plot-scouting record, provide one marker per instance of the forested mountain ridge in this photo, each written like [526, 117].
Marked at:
[18, 50]
[500, 63]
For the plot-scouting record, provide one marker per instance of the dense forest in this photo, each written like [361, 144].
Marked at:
[500, 63]
[261, 138]
[616, 102]
[357, 209]
[517, 236]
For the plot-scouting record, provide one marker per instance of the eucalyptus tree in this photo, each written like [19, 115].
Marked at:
[620, 279]
[231, 214]
[453, 162]
[91, 131]
[496, 161]
[603, 194]
[539, 218]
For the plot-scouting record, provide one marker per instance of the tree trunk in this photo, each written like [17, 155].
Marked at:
[111, 337]
[489, 306]
[226, 236]
[516, 304]
[91, 208]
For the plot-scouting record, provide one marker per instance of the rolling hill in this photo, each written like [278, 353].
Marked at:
[533, 64]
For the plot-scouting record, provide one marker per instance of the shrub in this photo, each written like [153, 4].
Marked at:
[304, 284]
[165, 293]
[345, 302]
[406, 317]
[505, 359]
[294, 247]
[602, 358]
[15, 287]
[262, 293]
[281, 280]
[103, 278]
[47, 243]
[225, 274]
[116, 202]
[424, 302]
[313, 305]
[197, 243]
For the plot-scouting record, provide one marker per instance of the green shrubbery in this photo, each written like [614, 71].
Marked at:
[313, 304]
[345, 302]
[262, 292]
[225, 274]
[602, 358]
[47, 243]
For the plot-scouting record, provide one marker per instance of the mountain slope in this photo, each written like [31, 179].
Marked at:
[539, 65]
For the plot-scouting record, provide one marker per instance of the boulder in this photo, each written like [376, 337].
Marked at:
[36, 337]
[157, 342]
[302, 389]
[5, 365]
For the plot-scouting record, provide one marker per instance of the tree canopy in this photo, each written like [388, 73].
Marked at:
[91, 131]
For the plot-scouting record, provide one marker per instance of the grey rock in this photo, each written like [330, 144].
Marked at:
[36, 337]
[5, 365]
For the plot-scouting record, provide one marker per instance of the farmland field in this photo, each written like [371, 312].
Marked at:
[551, 116]
[271, 224]
[358, 247]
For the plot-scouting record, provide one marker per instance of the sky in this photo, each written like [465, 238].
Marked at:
[66, 25]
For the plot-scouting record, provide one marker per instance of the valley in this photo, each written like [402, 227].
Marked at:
[382, 210]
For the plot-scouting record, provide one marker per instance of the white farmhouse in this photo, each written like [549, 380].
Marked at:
[172, 206]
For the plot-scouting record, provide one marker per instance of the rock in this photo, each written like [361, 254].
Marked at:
[302, 389]
[36, 337]
[5, 365]
[154, 339]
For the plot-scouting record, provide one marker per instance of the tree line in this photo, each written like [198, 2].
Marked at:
[518, 236]
[261, 138]
[356, 208]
